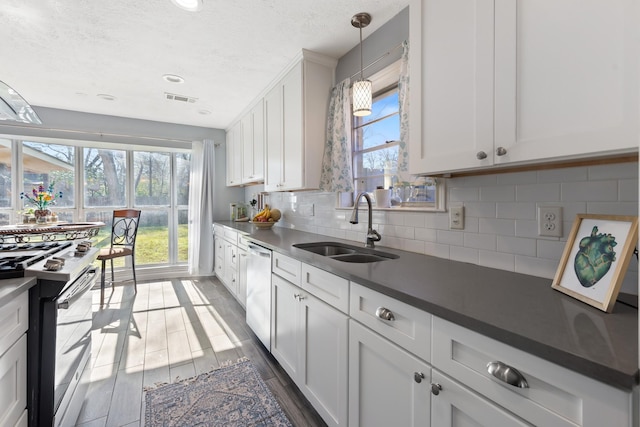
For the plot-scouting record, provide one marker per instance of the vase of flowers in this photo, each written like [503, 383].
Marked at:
[42, 198]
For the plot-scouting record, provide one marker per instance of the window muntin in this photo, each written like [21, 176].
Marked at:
[105, 175]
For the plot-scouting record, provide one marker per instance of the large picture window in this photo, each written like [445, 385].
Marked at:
[95, 180]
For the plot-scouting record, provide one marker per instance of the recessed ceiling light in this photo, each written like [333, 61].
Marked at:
[106, 96]
[204, 112]
[172, 78]
[189, 5]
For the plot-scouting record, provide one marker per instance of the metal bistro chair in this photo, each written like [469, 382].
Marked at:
[123, 243]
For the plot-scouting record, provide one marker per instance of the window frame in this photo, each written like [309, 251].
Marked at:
[382, 82]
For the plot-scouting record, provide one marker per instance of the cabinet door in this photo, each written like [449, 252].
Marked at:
[292, 135]
[382, 382]
[452, 97]
[253, 144]
[285, 326]
[566, 78]
[219, 258]
[273, 139]
[324, 358]
[242, 277]
[454, 405]
[230, 269]
[234, 155]
[13, 382]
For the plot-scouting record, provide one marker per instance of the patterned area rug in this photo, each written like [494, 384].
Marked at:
[234, 395]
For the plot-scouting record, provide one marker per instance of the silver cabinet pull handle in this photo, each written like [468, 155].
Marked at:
[507, 374]
[501, 151]
[436, 389]
[418, 377]
[385, 314]
[481, 155]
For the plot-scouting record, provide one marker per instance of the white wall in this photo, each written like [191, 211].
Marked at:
[500, 217]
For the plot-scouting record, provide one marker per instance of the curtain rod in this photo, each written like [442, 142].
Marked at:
[381, 57]
[99, 134]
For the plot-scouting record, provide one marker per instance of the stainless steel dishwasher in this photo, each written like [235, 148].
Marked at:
[259, 293]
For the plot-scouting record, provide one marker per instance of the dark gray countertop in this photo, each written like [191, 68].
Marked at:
[11, 288]
[520, 310]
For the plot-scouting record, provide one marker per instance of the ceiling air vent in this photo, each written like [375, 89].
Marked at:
[180, 98]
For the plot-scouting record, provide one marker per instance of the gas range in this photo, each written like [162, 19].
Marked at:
[16, 258]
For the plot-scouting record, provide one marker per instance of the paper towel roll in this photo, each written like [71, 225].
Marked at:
[383, 198]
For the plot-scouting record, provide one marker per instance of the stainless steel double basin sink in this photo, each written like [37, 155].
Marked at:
[346, 253]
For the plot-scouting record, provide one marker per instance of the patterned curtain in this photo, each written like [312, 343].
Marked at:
[337, 172]
[403, 99]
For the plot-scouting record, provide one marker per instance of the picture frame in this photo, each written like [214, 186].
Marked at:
[596, 257]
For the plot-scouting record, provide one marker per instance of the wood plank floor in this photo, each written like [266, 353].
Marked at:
[170, 330]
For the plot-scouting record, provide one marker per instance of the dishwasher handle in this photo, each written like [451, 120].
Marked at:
[259, 250]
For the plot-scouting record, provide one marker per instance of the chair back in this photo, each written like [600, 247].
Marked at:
[125, 227]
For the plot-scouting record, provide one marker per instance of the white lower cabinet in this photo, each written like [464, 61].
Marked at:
[388, 386]
[241, 295]
[14, 319]
[309, 340]
[457, 406]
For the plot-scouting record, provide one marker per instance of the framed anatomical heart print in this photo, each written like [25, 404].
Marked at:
[596, 258]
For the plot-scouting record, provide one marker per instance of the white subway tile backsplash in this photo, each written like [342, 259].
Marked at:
[497, 260]
[501, 227]
[628, 190]
[526, 228]
[516, 245]
[626, 208]
[536, 266]
[471, 224]
[436, 249]
[562, 175]
[593, 191]
[414, 219]
[537, 192]
[516, 210]
[504, 193]
[480, 241]
[462, 254]
[529, 177]
[613, 171]
[550, 249]
[450, 237]
[505, 227]
[464, 194]
[480, 209]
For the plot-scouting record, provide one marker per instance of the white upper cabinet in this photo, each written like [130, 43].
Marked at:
[508, 82]
[253, 144]
[234, 155]
[295, 124]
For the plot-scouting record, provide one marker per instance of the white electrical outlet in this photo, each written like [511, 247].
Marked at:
[550, 221]
[456, 217]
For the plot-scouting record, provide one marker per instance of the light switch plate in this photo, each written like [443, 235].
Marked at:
[456, 217]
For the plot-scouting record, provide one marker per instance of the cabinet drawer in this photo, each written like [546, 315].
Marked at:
[14, 319]
[555, 396]
[410, 327]
[328, 287]
[243, 243]
[231, 236]
[13, 382]
[287, 268]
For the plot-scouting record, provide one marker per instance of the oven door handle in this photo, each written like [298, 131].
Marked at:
[77, 289]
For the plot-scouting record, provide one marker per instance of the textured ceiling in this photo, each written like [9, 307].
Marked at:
[63, 53]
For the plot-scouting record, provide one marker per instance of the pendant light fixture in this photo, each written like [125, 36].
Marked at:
[361, 89]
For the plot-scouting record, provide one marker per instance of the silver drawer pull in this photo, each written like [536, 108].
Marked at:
[385, 314]
[507, 374]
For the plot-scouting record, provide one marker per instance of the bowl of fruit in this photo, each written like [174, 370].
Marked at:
[266, 218]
